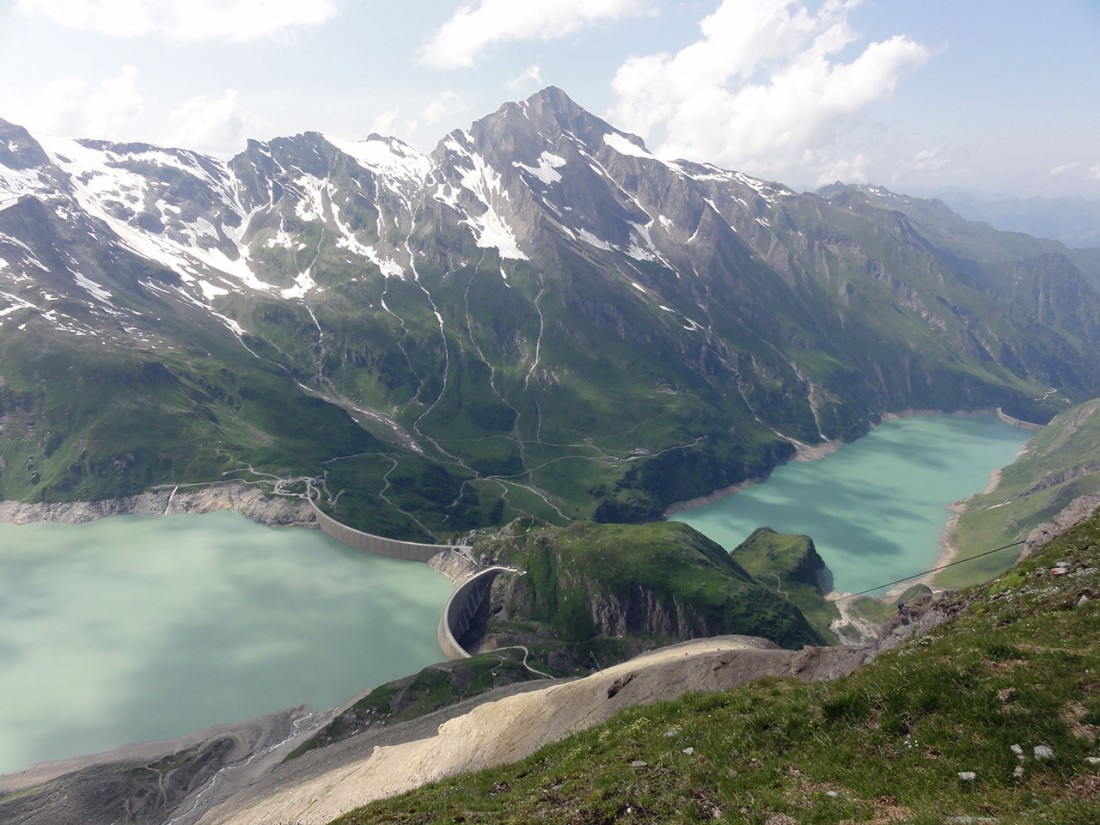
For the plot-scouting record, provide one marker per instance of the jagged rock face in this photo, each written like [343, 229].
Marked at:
[630, 586]
[1080, 508]
[641, 612]
[538, 307]
[637, 611]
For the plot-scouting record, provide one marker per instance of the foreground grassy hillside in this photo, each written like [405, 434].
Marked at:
[1058, 464]
[993, 717]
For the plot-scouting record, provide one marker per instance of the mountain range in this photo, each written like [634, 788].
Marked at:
[1073, 221]
[539, 317]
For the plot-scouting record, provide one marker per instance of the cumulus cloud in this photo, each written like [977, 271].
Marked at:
[472, 28]
[927, 160]
[73, 106]
[764, 85]
[846, 170]
[217, 126]
[185, 20]
[531, 76]
[385, 123]
[441, 106]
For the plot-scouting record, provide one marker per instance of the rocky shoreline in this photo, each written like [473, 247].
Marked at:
[250, 501]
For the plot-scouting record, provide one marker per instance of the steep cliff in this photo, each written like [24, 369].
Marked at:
[590, 594]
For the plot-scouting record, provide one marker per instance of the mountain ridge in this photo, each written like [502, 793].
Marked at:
[538, 317]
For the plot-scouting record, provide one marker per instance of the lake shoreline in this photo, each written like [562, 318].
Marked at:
[250, 501]
[815, 452]
[948, 551]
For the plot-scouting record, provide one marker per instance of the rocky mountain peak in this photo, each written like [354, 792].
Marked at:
[18, 150]
[500, 307]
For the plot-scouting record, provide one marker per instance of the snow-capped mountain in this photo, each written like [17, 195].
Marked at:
[539, 316]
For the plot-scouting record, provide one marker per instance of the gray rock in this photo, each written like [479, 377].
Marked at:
[1043, 752]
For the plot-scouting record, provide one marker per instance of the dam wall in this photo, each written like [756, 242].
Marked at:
[465, 601]
[462, 607]
[379, 545]
[1017, 422]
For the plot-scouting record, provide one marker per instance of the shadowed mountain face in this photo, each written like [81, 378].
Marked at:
[539, 317]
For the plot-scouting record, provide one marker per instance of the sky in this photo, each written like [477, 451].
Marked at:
[921, 96]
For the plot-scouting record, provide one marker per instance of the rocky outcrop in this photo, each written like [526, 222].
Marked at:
[1076, 510]
[251, 502]
[639, 611]
[917, 617]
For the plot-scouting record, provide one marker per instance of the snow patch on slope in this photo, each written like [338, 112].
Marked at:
[770, 192]
[490, 229]
[107, 192]
[16, 183]
[546, 171]
[624, 146]
[592, 240]
[386, 157]
[95, 290]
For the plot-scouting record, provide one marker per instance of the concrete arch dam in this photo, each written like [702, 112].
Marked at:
[462, 609]
[464, 603]
[379, 545]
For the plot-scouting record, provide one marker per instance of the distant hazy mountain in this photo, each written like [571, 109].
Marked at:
[1073, 221]
[539, 316]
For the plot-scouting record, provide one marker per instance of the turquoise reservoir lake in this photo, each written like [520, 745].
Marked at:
[137, 628]
[875, 508]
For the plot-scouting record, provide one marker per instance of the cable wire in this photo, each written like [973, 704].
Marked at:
[933, 570]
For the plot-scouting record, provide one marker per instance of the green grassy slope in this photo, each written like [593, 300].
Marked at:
[792, 564]
[611, 590]
[924, 733]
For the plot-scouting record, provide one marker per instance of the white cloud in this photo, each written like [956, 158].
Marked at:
[217, 126]
[1093, 173]
[927, 160]
[763, 86]
[384, 124]
[846, 170]
[185, 20]
[441, 106]
[531, 76]
[72, 106]
[1063, 168]
[474, 26]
